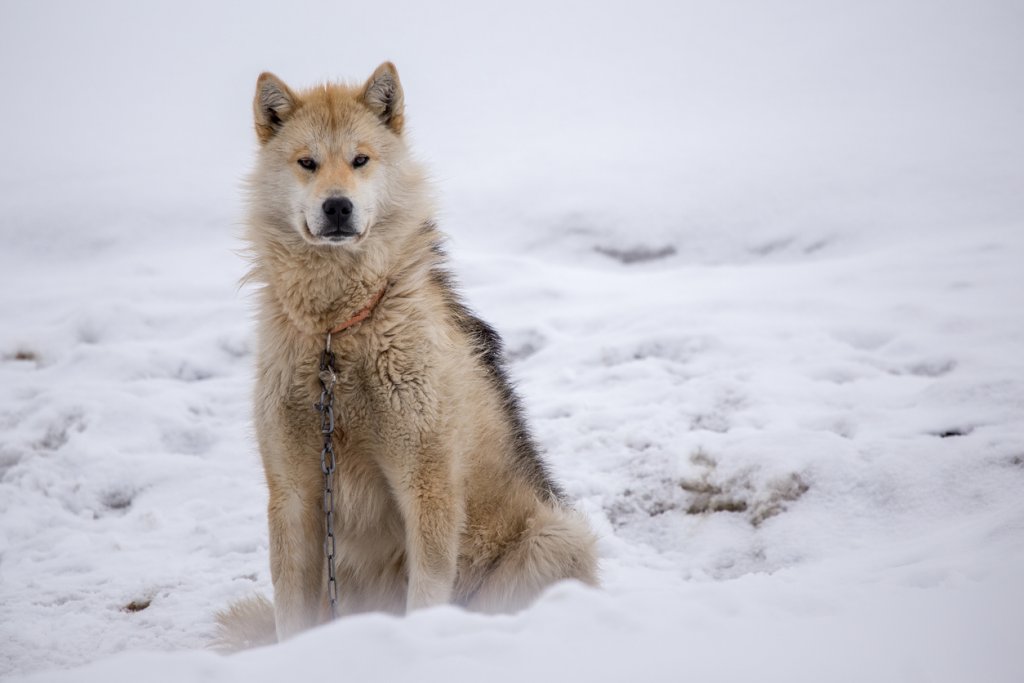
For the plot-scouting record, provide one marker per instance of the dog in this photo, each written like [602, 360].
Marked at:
[439, 494]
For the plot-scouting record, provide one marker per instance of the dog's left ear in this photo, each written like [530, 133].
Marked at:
[383, 96]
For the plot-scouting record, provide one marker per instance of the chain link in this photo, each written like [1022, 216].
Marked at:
[328, 378]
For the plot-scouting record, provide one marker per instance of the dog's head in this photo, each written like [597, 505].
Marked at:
[329, 156]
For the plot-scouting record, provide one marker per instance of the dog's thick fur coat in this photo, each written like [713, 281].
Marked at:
[441, 495]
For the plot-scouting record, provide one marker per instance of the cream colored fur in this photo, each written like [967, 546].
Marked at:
[438, 497]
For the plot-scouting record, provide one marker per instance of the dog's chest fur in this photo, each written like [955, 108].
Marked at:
[391, 398]
[385, 396]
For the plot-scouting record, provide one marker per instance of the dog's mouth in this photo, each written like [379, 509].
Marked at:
[331, 238]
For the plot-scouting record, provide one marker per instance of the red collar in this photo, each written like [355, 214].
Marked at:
[362, 314]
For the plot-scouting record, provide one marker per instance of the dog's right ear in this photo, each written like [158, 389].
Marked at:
[382, 94]
[272, 106]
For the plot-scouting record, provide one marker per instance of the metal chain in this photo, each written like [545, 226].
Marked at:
[328, 378]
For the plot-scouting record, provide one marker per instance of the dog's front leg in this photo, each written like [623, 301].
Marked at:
[431, 506]
[296, 559]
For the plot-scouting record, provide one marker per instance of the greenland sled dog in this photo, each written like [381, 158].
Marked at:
[439, 493]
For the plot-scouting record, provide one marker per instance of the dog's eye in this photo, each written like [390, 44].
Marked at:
[360, 160]
[307, 163]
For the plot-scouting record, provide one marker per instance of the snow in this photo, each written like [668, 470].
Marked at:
[758, 270]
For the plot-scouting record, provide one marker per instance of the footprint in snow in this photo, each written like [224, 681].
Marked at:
[638, 254]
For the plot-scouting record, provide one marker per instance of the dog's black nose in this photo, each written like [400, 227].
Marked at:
[338, 211]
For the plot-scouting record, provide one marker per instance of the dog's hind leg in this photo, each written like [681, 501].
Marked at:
[557, 545]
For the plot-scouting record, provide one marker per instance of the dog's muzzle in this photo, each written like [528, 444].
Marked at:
[337, 219]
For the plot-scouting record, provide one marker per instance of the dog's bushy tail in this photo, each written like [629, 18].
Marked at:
[246, 624]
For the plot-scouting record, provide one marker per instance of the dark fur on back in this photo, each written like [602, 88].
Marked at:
[491, 354]
[489, 345]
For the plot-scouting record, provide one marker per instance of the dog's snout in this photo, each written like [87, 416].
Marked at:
[338, 211]
[337, 219]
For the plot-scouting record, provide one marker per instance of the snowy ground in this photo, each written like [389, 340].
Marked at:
[758, 266]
